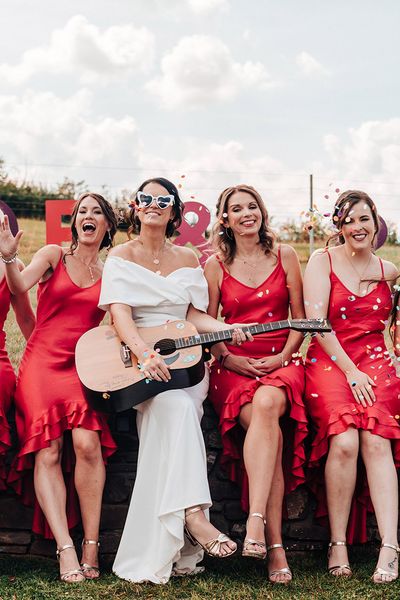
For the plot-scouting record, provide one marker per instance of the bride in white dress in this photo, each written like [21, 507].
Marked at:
[147, 282]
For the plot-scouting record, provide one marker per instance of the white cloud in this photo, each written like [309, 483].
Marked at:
[206, 7]
[200, 69]
[373, 149]
[44, 128]
[83, 48]
[367, 158]
[309, 65]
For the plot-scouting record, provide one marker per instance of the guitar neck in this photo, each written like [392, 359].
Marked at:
[226, 334]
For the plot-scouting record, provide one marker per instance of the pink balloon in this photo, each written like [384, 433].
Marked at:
[382, 235]
[11, 217]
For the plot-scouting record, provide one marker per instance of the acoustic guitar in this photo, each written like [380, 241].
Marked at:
[113, 381]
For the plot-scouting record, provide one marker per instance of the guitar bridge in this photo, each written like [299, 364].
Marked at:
[125, 355]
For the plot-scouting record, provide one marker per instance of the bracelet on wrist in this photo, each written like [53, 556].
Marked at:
[9, 260]
[223, 358]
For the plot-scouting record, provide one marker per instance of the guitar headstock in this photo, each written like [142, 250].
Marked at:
[311, 325]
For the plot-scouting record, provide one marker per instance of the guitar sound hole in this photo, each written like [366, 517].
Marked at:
[165, 346]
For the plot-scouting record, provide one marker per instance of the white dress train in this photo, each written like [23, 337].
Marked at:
[171, 471]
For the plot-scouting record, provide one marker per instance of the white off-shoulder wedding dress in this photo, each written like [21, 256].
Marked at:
[171, 471]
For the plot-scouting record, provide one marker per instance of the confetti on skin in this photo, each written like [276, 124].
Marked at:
[334, 358]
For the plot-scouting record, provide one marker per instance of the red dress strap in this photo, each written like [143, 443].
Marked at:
[221, 264]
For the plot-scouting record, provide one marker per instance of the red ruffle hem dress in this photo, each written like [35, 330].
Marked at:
[49, 399]
[229, 391]
[7, 381]
[359, 323]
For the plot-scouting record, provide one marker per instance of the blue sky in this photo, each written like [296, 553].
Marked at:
[223, 91]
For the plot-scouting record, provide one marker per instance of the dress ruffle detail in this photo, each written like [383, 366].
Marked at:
[60, 419]
[293, 425]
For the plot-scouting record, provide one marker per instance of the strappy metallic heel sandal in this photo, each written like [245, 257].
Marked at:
[260, 554]
[85, 567]
[65, 577]
[332, 570]
[380, 571]
[213, 547]
[283, 571]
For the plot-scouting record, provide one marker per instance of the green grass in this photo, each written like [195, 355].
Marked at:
[234, 579]
[24, 578]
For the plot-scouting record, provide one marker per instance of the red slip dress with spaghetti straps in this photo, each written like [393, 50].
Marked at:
[359, 324]
[7, 381]
[229, 391]
[49, 399]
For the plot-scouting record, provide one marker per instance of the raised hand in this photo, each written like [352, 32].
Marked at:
[8, 243]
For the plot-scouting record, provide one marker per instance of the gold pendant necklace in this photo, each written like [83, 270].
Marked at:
[156, 258]
[359, 275]
[89, 267]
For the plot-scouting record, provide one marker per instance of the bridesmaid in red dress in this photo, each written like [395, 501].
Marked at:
[352, 391]
[257, 388]
[26, 321]
[49, 399]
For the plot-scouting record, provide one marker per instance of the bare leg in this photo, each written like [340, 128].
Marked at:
[382, 480]
[89, 483]
[340, 478]
[260, 451]
[51, 495]
[273, 529]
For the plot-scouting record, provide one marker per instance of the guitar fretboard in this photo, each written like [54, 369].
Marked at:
[226, 334]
